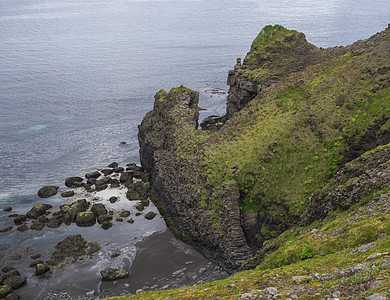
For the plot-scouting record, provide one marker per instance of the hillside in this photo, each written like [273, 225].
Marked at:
[290, 156]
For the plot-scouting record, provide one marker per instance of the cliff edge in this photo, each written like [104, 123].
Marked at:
[296, 114]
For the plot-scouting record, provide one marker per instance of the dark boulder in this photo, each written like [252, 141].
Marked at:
[115, 183]
[91, 181]
[10, 273]
[134, 167]
[118, 170]
[113, 165]
[36, 211]
[95, 174]
[130, 221]
[104, 218]
[110, 274]
[150, 215]
[107, 172]
[99, 209]
[5, 290]
[113, 199]
[15, 281]
[74, 246]
[70, 211]
[6, 229]
[74, 182]
[41, 269]
[22, 228]
[37, 225]
[85, 219]
[125, 177]
[100, 186]
[124, 214]
[7, 209]
[34, 263]
[55, 221]
[67, 194]
[48, 191]
[139, 206]
[20, 219]
[106, 225]
[35, 256]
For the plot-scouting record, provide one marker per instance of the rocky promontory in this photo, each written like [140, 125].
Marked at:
[296, 114]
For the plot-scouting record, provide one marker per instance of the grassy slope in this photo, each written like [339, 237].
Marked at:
[287, 144]
[323, 259]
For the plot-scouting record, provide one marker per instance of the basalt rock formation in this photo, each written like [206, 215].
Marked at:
[296, 114]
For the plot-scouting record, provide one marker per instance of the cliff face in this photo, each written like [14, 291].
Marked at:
[168, 149]
[295, 115]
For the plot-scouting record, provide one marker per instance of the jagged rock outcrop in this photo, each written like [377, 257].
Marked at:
[178, 183]
[275, 54]
[295, 115]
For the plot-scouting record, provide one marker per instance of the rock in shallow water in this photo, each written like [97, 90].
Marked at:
[110, 274]
[85, 219]
[150, 215]
[48, 191]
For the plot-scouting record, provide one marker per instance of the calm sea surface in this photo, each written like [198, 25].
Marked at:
[77, 76]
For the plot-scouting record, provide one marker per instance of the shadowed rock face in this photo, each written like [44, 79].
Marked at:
[220, 234]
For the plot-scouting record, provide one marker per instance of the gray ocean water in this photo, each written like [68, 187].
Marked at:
[77, 76]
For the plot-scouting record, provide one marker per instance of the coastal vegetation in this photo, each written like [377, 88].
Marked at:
[295, 184]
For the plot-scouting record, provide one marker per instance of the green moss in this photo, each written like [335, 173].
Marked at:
[270, 34]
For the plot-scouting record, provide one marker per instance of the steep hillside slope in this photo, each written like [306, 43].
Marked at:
[295, 115]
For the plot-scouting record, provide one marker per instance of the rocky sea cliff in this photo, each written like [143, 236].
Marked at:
[305, 137]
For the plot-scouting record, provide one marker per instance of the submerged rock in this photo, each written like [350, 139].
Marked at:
[74, 246]
[110, 274]
[48, 191]
[7, 208]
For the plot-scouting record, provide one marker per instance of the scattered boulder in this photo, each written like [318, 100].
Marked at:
[22, 228]
[48, 191]
[20, 219]
[95, 174]
[6, 229]
[74, 246]
[113, 199]
[113, 165]
[37, 225]
[5, 290]
[114, 183]
[124, 214]
[104, 218]
[35, 256]
[118, 170]
[74, 182]
[106, 225]
[36, 211]
[134, 167]
[110, 274]
[139, 207]
[41, 269]
[85, 219]
[55, 221]
[36, 262]
[7, 208]
[15, 281]
[125, 177]
[107, 172]
[99, 209]
[130, 221]
[150, 215]
[67, 194]
[10, 273]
